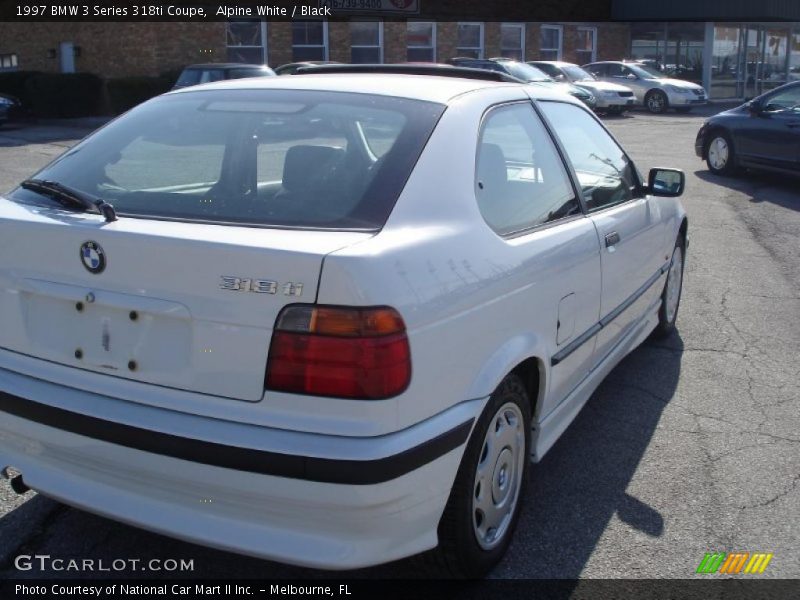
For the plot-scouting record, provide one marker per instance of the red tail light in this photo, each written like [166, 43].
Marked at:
[357, 353]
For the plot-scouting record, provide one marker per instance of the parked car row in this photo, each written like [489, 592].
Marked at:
[608, 86]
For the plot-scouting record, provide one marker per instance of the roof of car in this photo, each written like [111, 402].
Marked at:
[420, 87]
[429, 88]
[556, 63]
[226, 66]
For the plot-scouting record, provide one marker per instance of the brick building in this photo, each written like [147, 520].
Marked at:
[139, 48]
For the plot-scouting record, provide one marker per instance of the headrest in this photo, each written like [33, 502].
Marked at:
[492, 173]
[305, 167]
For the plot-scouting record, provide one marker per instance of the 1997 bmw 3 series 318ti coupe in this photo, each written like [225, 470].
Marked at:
[326, 319]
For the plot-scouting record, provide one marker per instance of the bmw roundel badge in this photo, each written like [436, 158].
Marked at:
[93, 257]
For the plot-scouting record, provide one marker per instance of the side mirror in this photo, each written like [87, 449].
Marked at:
[560, 77]
[631, 76]
[666, 182]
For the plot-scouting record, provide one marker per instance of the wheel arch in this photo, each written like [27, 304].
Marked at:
[531, 371]
[523, 355]
[683, 230]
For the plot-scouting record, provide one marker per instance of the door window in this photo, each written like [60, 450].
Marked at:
[599, 70]
[520, 180]
[605, 174]
[615, 70]
[785, 101]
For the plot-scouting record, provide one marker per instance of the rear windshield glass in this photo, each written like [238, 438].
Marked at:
[304, 159]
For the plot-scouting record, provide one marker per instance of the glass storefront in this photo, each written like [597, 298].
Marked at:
[726, 74]
[794, 57]
[674, 48]
[746, 59]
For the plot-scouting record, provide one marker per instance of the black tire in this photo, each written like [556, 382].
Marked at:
[667, 316]
[656, 102]
[716, 165]
[616, 110]
[683, 109]
[459, 553]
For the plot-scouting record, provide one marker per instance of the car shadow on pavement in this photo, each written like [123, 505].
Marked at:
[572, 495]
[759, 186]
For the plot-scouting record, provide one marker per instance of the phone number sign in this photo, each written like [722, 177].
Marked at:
[387, 6]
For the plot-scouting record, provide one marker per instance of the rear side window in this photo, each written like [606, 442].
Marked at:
[303, 159]
[605, 173]
[520, 179]
[196, 76]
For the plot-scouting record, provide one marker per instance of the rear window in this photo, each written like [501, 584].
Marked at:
[305, 159]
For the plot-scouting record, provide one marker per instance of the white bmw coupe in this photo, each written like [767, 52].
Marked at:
[326, 319]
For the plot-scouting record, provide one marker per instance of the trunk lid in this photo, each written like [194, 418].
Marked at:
[181, 305]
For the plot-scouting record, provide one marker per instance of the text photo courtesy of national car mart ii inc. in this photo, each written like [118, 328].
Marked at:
[194, 590]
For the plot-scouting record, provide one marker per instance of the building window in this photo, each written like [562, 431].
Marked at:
[586, 48]
[247, 42]
[8, 61]
[309, 40]
[366, 42]
[421, 41]
[551, 42]
[512, 40]
[470, 40]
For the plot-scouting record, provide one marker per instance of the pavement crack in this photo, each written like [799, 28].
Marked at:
[774, 498]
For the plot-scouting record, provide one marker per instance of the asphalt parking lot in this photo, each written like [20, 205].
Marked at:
[691, 445]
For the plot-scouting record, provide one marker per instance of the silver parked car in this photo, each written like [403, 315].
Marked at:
[610, 97]
[652, 88]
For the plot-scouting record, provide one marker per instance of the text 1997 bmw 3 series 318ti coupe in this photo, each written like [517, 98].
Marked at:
[326, 319]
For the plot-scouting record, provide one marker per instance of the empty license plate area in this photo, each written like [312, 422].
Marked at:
[110, 332]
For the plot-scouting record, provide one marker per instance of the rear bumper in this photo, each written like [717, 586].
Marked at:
[308, 499]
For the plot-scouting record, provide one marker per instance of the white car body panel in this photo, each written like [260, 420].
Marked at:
[196, 339]
[475, 305]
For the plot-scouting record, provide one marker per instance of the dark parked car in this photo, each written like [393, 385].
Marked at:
[761, 134]
[291, 68]
[527, 73]
[10, 108]
[195, 74]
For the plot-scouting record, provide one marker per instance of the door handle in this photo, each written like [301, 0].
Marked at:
[793, 124]
[612, 239]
